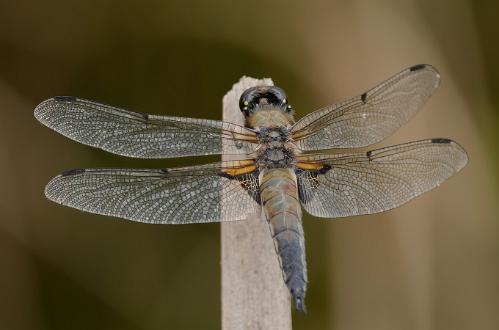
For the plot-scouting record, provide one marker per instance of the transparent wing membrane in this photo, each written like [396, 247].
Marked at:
[378, 180]
[140, 135]
[165, 196]
[370, 117]
[330, 185]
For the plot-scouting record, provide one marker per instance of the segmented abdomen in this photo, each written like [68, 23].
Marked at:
[279, 196]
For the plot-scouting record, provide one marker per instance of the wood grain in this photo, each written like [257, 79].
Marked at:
[254, 295]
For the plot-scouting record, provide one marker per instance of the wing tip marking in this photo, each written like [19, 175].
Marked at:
[418, 67]
[441, 141]
[74, 171]
[363, 98]
[64, 98]
[427, 67]
[42, 111]
[461, 152]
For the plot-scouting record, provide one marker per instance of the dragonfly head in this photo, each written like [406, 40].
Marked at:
[260, 97]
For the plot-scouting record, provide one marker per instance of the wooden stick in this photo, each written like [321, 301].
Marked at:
[254, 295]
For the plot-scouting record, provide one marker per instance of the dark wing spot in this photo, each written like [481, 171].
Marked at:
[241, 179]
[325, 169]
[249, 189]
[441, 140]
[227, 176]
[75, 171]
[363, 98]
[301, 177]
[368, 154]
[417, 67]
[64, 98]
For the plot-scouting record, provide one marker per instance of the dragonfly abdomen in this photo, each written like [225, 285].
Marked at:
[279, 197]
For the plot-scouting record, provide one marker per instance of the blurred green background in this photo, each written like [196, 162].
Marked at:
[432, 264]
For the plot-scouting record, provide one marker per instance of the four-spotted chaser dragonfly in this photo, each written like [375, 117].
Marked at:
[272, 175]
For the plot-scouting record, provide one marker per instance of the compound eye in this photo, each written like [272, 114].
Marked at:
[247, 98]
[268, 95]
[277, 95]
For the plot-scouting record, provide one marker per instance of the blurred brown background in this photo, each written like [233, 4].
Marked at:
[431, 264]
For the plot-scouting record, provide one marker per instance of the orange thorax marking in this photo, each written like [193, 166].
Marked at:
[240, 167]
[309, 166]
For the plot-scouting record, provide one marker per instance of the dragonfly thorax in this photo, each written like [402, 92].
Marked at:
[275, 157]
[273, 135]
[275, 149]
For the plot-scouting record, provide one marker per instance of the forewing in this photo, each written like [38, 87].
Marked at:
[370, 117]
[165, 196]
[379, 180]
[140, 135]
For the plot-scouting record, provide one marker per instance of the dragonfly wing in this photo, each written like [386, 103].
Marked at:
[370, 117]
[378, 180]
[140, 135]
[165, 196]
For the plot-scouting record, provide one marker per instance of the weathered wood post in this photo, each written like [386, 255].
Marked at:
[253, 292]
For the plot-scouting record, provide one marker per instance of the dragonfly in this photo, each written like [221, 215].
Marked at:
[280, 165]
